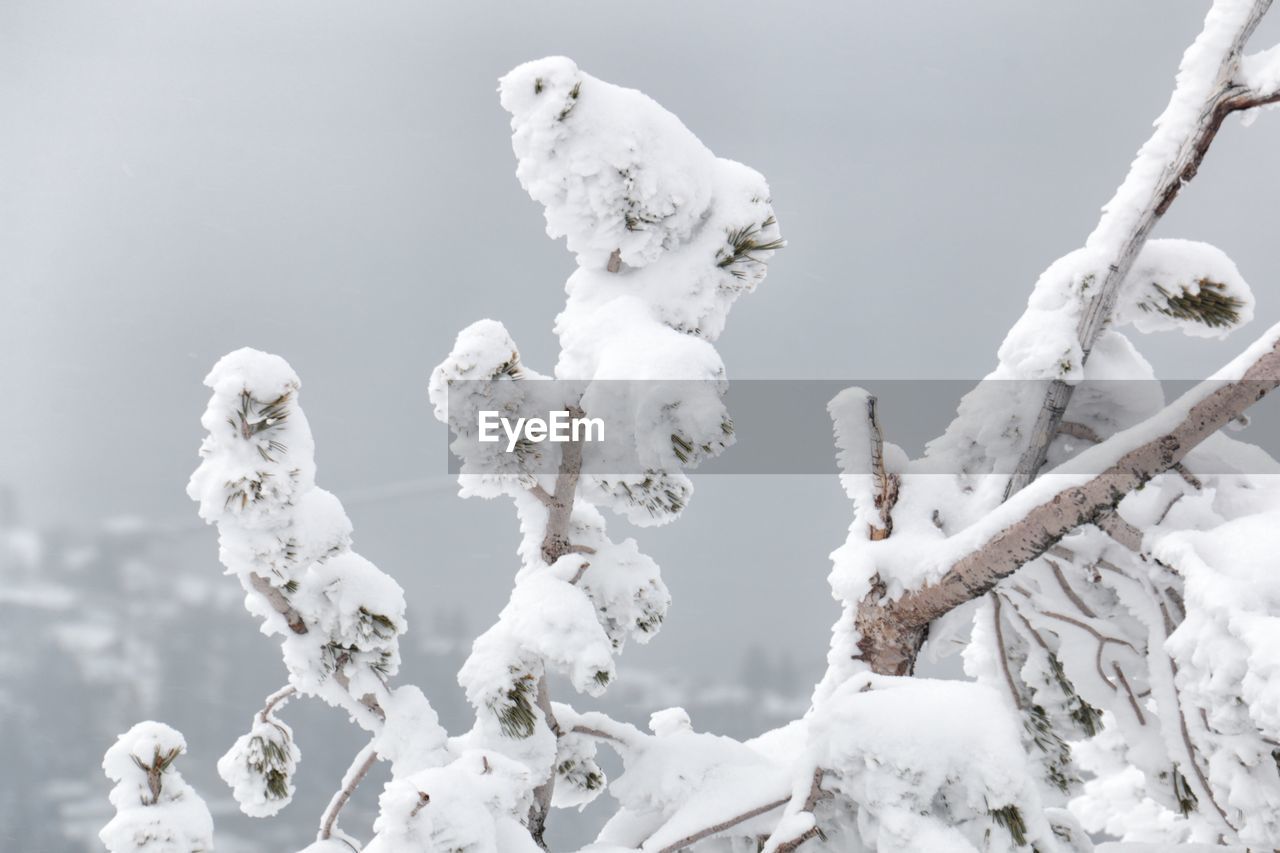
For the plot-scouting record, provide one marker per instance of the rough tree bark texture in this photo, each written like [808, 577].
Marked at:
[1228, 96]
[893, 631]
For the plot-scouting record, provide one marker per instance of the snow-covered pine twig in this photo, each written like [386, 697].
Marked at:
[156, 810]
[1212, 83]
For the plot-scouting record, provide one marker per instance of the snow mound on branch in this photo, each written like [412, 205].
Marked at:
[165, 817]
[551, 620]
[412, 738]
[615, 148]
[617, 173]
[932, 765]
[1261, 71]
[681, 781]
[473, 805]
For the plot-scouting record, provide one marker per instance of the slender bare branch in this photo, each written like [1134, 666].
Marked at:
[555, 544]
[360, 767]
[816, 795]
[730, 823]
[886, 484]
[284, 694]
[1069, 591]
[997, 624]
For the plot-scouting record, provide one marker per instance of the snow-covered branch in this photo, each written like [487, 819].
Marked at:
[1038, 517]
[1207, 91]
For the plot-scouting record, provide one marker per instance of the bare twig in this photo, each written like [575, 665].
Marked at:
[707, 832]
[542, 794]
[284, 694]
[886, 495]
[1000, 651]
[1069, 591]
[1192, 479]
[816, 795]
[360, 767]
[555, 544]
[1133, 700]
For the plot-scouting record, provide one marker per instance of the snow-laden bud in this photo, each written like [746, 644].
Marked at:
[260, 766]
[411, 738]
[156, 810]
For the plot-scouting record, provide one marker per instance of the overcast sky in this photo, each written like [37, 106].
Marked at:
[333, 182]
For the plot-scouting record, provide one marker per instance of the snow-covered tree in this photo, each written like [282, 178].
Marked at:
[1104, 556]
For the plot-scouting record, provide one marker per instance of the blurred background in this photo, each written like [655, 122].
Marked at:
[333, 182]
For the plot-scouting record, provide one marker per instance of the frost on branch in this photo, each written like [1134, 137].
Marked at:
[156, 810]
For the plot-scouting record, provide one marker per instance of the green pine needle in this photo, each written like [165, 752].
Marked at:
[1010, 819]
[1211, 305]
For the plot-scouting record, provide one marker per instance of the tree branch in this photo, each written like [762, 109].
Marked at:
[707, 832]
[284, 694]
[1189, 149]
[892, 631]
[886, 495]
[774, 844]
[555, 540]
[279, 602]
[360, 767]
[555, 544]
[543, 794]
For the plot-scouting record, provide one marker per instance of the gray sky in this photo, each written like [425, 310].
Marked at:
[334, 182]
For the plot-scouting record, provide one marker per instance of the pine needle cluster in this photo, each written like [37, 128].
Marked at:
[1211, 305]
[739, 258]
